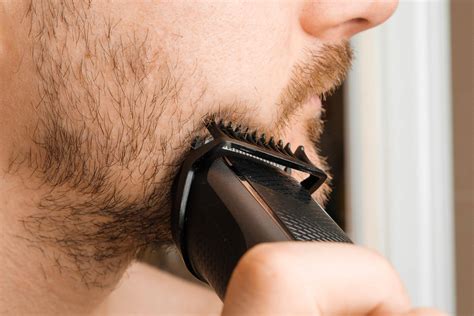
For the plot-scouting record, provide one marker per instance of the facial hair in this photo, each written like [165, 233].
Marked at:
[105, 176]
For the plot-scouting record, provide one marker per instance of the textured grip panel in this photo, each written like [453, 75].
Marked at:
[303, 218]
[252, 203]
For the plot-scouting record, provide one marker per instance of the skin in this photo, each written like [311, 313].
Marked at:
[99, 103]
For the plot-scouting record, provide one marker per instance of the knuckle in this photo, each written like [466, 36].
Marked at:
[378, 261]
[383, 264]
[383, 269]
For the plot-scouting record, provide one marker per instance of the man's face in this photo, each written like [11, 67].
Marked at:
[104, 98]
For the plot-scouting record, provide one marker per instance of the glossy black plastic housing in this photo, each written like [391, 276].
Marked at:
[233, 193]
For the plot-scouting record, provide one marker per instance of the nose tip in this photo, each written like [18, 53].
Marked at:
[341, 19]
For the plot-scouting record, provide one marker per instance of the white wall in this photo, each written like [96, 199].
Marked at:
[399, 145]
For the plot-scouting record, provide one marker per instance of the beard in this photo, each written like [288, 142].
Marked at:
[111, 131]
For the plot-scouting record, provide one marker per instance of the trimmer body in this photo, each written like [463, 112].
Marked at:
[233, 193]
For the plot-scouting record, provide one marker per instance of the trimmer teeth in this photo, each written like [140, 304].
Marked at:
[228, 139]
[237, 132]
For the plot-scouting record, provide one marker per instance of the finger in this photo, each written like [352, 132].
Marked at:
[314, 278]
[424, 312]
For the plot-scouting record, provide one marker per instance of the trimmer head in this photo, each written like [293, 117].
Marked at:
[228, 138]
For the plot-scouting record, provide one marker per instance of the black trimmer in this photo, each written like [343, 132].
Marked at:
[234, 191]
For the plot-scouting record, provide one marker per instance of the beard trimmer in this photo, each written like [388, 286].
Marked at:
[234, 191]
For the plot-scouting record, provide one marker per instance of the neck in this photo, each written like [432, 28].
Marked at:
[37, 277]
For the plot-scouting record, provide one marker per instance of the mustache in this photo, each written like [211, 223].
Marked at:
[318, 74]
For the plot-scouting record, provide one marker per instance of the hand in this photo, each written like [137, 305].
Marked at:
[316, 278]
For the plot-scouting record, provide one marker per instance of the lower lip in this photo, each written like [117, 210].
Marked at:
[314, 102]
[312, 106]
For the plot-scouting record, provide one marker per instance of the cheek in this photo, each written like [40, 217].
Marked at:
[239, 52]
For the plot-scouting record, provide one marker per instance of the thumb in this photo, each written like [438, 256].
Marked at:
[314, 278]
[424, 312]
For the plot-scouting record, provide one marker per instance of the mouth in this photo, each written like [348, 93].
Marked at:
[314, 102]
[310, 109]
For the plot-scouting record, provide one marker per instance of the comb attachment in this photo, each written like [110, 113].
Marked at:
[222, 129]
[242, 141]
